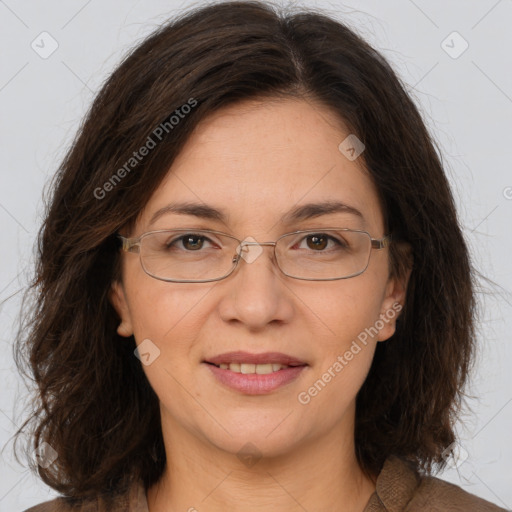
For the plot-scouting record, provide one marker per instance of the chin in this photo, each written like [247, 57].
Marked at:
[266, 439]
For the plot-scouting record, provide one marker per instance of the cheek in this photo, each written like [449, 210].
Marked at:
[167, 320]
[344, 321]
[343, 310]
[170, 316]
[344, 351]
[332, 394]
[160, 309]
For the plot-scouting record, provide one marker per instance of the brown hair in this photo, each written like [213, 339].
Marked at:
[95, 406]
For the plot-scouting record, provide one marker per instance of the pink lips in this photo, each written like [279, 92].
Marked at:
[255, 384]
[246, 357]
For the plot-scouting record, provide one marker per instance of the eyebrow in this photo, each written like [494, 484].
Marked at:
[299, 213]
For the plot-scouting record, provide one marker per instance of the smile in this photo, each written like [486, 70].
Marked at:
[249, 368]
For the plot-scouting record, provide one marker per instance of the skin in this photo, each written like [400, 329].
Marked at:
[257, 160]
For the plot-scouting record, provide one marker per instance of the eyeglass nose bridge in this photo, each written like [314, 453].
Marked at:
[245, 243]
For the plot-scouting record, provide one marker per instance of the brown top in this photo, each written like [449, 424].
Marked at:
[399, 489]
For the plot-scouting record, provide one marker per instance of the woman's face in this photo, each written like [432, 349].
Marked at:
[255, 162]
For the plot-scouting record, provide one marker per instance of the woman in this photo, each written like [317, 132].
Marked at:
[252, 289]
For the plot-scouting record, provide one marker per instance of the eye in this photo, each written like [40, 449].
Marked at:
[319, 241]
[190, 241]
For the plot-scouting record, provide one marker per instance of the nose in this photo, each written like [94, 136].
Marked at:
[256, 294]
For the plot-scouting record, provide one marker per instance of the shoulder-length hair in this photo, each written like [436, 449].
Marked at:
[94, 405]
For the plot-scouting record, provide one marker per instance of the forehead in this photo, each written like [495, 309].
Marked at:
[257, 160]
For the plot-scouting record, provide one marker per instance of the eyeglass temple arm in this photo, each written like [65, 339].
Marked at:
[381, 243]
[129, 244]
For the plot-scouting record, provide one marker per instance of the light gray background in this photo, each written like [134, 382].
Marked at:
[467, 103]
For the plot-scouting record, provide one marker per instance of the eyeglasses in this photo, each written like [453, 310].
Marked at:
[198, 256]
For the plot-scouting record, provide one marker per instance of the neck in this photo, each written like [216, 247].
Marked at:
[318, 475]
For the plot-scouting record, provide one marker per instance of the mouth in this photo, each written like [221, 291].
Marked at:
[255, 373]
[262, 364]
[251, 368]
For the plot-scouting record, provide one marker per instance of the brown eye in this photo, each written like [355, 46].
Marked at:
[193, 242]
[317, 241]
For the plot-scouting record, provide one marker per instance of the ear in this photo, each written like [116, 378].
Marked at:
[392, 304]
[117, 298]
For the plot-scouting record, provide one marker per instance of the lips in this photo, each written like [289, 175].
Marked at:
[255, 374]
[240, 357]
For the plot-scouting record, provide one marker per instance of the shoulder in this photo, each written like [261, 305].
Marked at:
[434, 494]
[131, 500]
[61, 505]
[65, 505]
[401, 488]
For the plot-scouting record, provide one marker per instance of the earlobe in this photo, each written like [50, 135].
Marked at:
[118, 300]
